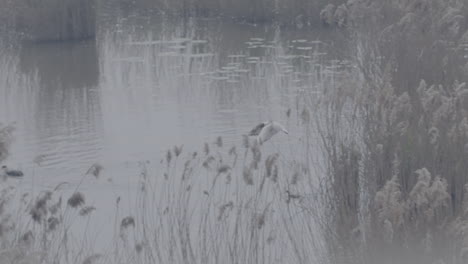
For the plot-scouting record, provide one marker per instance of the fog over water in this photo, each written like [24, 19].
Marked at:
[128, 120]
[148, 83]
[141, 89]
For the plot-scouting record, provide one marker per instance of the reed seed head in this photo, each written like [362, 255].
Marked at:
[95, 170]
[178, 150]
[87, 210]
[39, 210]
[168, 157]
[223, 169]
[52, 223]
[76, 200]
[127, 221]
[92, 259]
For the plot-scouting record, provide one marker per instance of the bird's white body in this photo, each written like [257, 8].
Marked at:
[266, 130]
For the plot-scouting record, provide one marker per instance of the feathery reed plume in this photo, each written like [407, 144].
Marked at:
[52, 223]
[233, 152]
[39, 210]
[187, 169]
[27, 239]
[247, 176]
[388, 231]
[274, 174]
[87, 210]
[261, 218]
[92, 259]
[95, 170]
[76, 200]
[139, 247]
[168, 157]
[178, 150]
[219, 142]
[427, 195]
[53, 209]
[223, 169]
[389, 204]
[433, 135]
[127, 221]
[223, 208]
[207, 162]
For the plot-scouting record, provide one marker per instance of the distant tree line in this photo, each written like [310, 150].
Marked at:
[46, 20]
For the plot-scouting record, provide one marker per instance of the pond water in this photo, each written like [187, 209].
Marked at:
[149, 83]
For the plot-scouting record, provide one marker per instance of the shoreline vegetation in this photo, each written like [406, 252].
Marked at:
[49, 20]
[393, 138]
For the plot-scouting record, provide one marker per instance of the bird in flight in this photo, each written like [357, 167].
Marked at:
[266, 130]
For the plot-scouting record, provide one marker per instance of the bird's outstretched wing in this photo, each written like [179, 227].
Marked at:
[256, 130]
[268, 132]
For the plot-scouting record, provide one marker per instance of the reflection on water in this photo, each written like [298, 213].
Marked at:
[151, 83]
[148, 84]
[61, 122]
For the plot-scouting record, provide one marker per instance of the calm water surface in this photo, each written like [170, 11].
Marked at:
[147, 84]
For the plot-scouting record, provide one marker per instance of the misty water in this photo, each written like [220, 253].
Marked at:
[149, 83]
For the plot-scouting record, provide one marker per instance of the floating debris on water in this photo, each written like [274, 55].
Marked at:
[304, 48]
[199, 55]
[236, 56]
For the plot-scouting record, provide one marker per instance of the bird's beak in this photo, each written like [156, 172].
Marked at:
[285, 131]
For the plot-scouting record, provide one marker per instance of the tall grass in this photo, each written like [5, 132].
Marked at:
[393, 143]
[394, 137]
[223, 204]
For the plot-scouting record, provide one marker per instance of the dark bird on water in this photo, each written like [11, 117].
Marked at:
[11, 173]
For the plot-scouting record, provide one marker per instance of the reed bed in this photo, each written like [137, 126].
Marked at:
[388, 184]
[222, 204]
[393, 137]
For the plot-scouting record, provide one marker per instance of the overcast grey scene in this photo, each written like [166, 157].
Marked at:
[233, 131]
